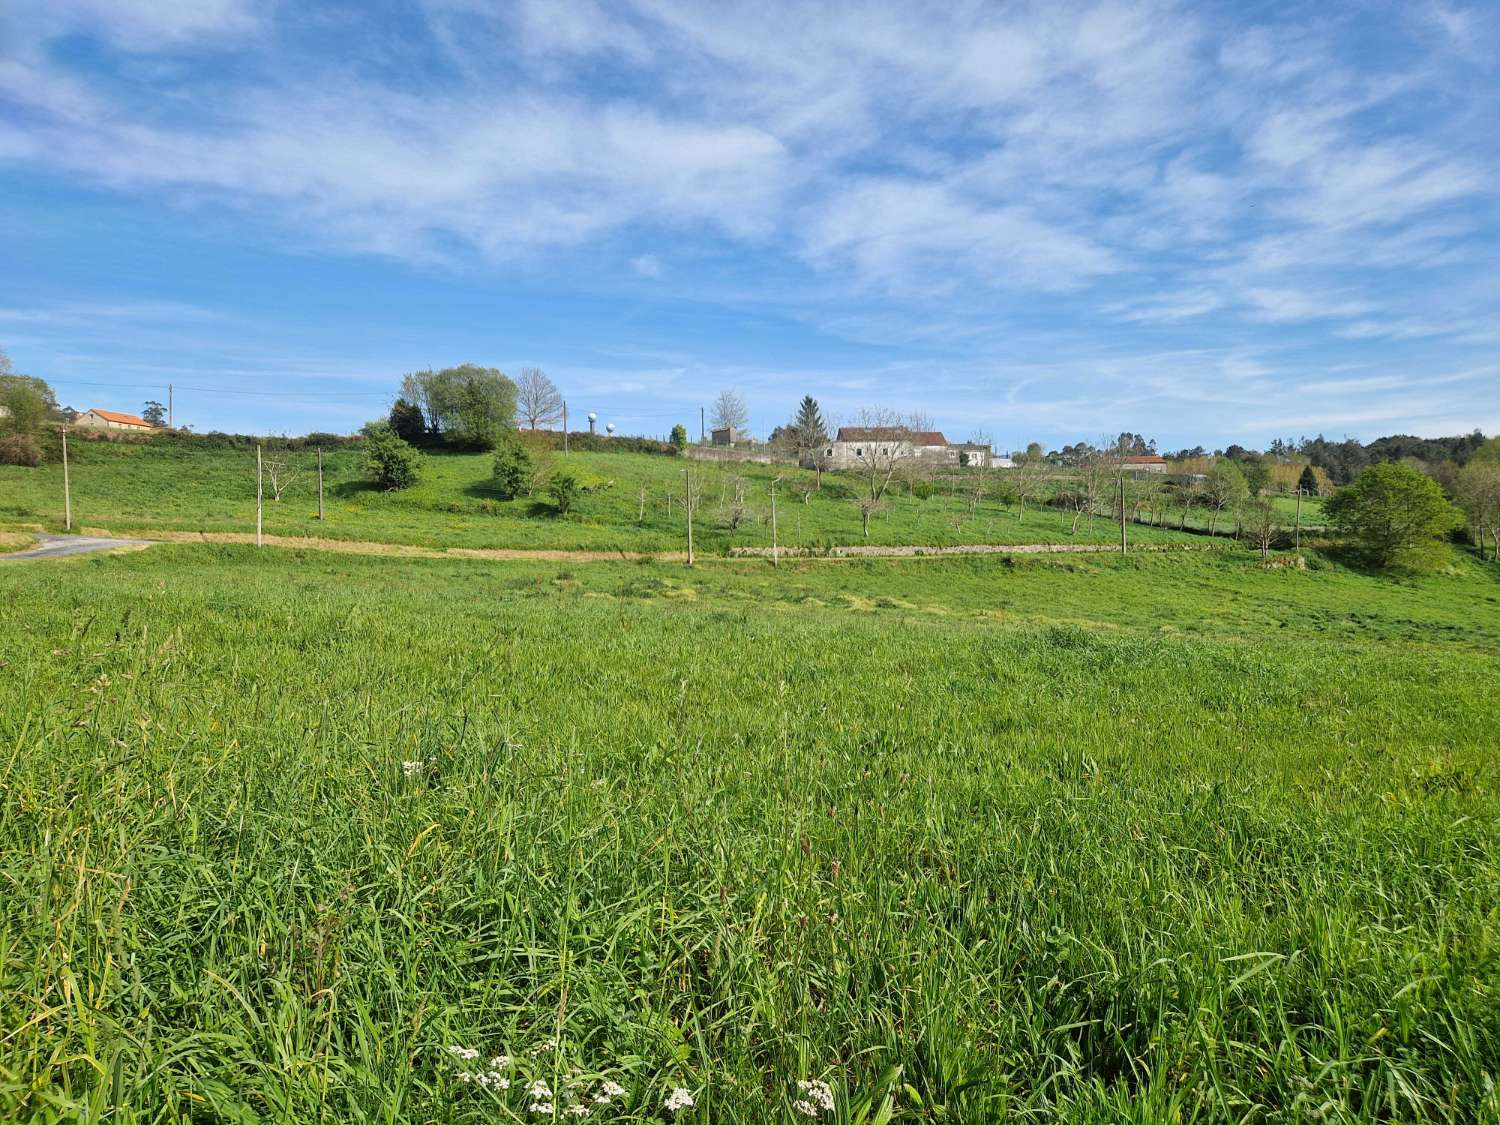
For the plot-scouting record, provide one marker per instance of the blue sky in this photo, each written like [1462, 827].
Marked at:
[1206, 223]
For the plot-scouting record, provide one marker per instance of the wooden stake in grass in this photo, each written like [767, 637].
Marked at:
[1297, 527]
[259, 496]
[68, 492]
[320, 482]
[775, 554]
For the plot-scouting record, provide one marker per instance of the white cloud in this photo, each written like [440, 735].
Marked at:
[646, 265]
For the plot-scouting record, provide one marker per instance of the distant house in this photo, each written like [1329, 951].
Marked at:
[973, 455]
[1151, 464]
[857, 445]
[112, 420]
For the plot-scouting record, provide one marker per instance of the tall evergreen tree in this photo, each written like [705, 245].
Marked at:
[1308, 481]
[808, 425]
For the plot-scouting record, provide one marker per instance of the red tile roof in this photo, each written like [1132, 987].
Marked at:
[123, 419]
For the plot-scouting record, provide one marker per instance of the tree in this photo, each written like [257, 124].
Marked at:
[406, 420]
[1393, 514]
[538, 401]
[680, 436]
[1224, 487]
[468, 405]
[23, 407]
[154, 413]
[279, 474]
[730, 412]
[1260, 522]
[1257, 473]
[1028, 477]
[807, 433]
[513, 468]
[389, 461]
[563, 491]
[884, 439]
[1478, 493]
[1307, 483]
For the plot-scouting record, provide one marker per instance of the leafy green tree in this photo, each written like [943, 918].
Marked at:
[563, 491]
[1257, 474]
[23, 407]
[1478, 491]
[679, 436]
[1307, 483]
[1393, 514]
[406, 420]
[468, 405]
[389, 461]
[513, 467]
[154, 413]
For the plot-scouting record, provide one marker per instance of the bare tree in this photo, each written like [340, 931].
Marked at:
[1260, 523]
[730, 412]
[280, 475]
[883, 444]
[735, 511]
[692, 492]
[1028, 477]
[976, 484]
[538, 401]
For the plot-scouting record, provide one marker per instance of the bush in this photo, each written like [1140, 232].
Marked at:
[20, 449]
[513, 467]
[563, 490]
[389, 461]
[924, 490]
[1393, 514]
[679, 435]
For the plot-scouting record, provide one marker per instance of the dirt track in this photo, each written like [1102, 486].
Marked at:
[100, 540]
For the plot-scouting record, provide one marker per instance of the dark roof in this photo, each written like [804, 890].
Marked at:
[1153, 459]
[891, 433]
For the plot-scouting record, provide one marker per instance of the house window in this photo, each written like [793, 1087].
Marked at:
[859, 451]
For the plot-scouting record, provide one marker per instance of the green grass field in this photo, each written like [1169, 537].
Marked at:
[157, 487]
[1155, 838]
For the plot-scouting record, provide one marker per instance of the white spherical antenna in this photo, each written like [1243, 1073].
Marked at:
[593, 417]
[609, 427]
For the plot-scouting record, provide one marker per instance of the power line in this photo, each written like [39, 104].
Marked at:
[224, 390]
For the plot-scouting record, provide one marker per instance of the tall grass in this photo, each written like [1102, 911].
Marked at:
[703, 838]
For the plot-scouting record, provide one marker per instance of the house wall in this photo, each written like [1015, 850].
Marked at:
[90, 419]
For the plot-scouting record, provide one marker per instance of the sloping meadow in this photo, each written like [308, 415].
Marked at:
[390, 840]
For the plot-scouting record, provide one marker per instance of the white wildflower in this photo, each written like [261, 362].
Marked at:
[542, 1107]
[545, 1045]
[468, 1054]
[500, 1062]
[538, 1091]
[494, 1080]
[608, 1091]
[579, 1110]
[817, 1095]
[412, 767]
[678, 1099]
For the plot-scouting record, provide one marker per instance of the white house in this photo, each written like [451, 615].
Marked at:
[855, 446]
[112, 420]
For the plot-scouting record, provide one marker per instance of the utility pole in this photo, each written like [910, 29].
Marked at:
[702, 433]
[775, 554]
[68, 492]
[565, 425]
[320, 483]
[169, 407]
[259, 496]
[1297, 529]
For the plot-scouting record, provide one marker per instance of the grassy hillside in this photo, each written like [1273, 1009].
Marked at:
[1148, 838]
[141, 488]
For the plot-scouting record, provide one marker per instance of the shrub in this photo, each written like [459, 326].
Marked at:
[1393, 514]
[513, 467]
[679, 435]
[924, 490]
[389, 461]
[20, 449]
[563, 490]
